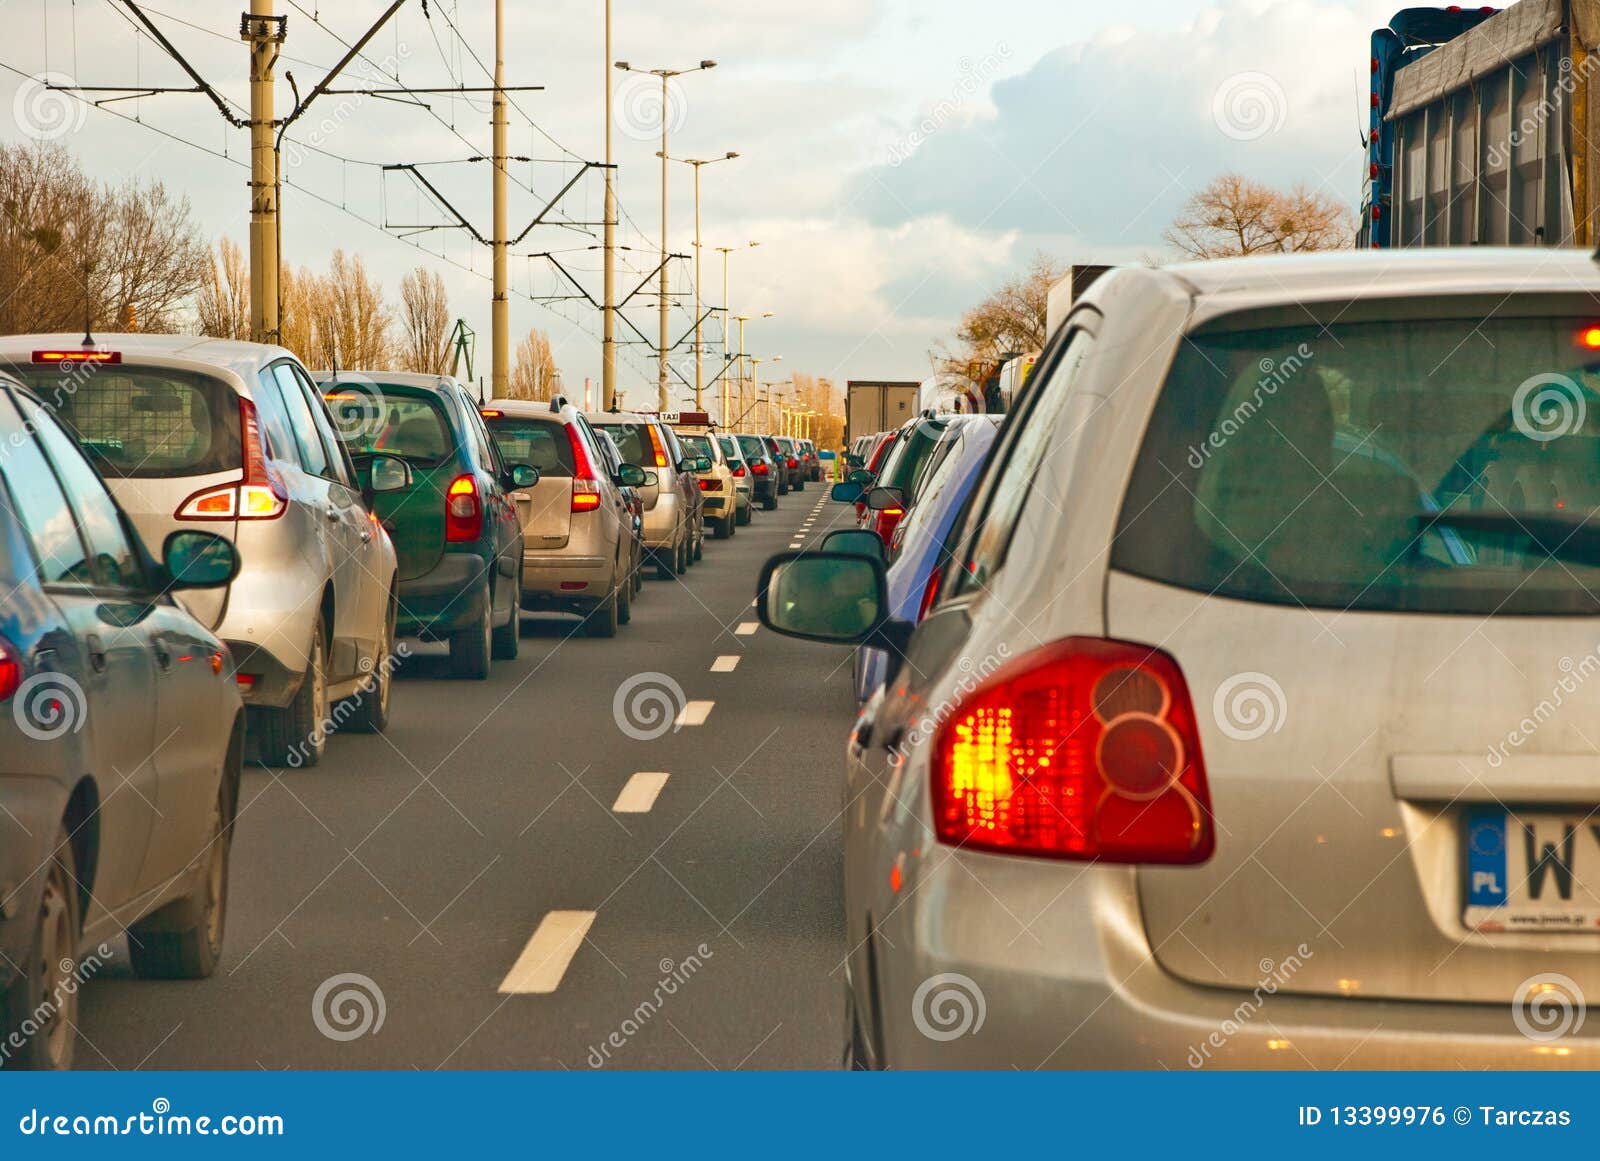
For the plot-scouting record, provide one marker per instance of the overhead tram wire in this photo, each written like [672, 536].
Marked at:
[307, 190]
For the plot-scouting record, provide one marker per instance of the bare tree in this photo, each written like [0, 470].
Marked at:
[151, 259]
[1011, 320]
[1234, 216]
[52, 223]
[223, 300]
[533, 372]
[357, 317]
[303, 318]
[425, 315]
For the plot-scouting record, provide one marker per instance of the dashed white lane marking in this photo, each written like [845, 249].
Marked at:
[639, 795]
[726, 663]
[694, 713]
[544, 960]
[747, 628]
[797, 544]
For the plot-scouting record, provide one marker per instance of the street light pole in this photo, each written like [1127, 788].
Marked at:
[608, 337]
[663, 401]
[699, 346]
[500, 308]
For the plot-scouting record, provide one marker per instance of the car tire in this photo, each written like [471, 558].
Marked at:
[369, 709]
[742, 515]
[724, 528]
[668, 569]
[471, 648]
[624, 600]
[799, 485]
[770, 504]
[507, 639]
[602, 619]
[183, 941]
[700, 545]
[636, 576]
[41, 984]
[295, 735]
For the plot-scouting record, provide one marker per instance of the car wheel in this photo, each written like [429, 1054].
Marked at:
[743, 516]
[183, 941]
[369, 709]
[602, 620]
[667, 569]
[39, 999]
[638, 573]
[724, 528]
[624, 600]
[471, 648]
[700, 543]
[770, 504]
[508, 637]
[799, 485]
[297, 735]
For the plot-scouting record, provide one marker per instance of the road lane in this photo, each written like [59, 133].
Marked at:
[417, 865]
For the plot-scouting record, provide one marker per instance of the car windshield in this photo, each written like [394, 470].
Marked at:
[901, 467]
[752, 446]
[542, 443]
[390, 420]
[143, 423]
[1389, 465]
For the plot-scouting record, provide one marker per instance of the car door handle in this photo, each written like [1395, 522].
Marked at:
[97, 652]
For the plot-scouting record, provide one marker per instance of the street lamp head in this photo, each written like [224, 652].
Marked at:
[732, 155]
[624, 66]
[708, 64]
[767, 314]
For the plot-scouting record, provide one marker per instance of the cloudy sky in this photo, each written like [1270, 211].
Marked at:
[898, 157]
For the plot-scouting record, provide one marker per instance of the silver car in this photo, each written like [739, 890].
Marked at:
[578, 553]
[674, 528]
[234, 438]
[734, 454]
[1254, 724]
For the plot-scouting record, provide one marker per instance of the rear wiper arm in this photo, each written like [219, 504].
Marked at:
[1573, 538]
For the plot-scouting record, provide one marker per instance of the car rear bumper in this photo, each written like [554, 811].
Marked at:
[550, 579]
[1073, 983]
[447, 598]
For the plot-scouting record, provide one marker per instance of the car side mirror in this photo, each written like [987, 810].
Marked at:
[886, 500]
[846, 493]
[860, 477]
[631, 476]
[523, 475]
[198, 560]
[835, 597]
[389, 474]
[651, 480]
[856, 542]
[702, 464]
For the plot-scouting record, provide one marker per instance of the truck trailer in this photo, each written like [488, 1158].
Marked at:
[1479, 131]
[874, 405]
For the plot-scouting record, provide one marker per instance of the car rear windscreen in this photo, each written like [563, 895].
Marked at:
[699, 445]
[139, 423]
[542, 443]
[633, 441]
[386, 420]
[1446, 465]
[752, 446]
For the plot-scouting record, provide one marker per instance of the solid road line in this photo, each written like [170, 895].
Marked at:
[639, 795]
[544, 961]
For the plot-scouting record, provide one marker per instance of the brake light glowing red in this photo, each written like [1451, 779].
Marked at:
[711, 485]
[738, 471]
[10, 669]
[761, 469]
[655, 443]
[83, 355]
[261, 495]
[1083, 749]
[463, 512]
[930, 593]
[585, 488]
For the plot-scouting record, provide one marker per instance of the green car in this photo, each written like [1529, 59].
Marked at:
[455, 528]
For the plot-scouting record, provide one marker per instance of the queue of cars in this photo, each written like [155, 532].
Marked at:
[306, 524]
[1197, 694]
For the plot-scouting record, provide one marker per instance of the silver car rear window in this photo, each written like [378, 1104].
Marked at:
[1445, 465]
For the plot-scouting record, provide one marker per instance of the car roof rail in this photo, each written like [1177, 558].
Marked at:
[558, 403]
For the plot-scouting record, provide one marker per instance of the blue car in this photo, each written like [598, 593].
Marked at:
[920, 546]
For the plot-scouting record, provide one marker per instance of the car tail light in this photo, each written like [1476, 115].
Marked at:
[711, 485]
[463, 512]
[655, 444]
[761, 469]
[585, 488]
[82, 355]
[1083, 749]
[10, 669]
[490, 413]
[930, 593]
[793, 464]
[738, 471]
[261, 495]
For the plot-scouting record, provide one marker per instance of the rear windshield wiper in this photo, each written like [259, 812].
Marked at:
[1573, 538]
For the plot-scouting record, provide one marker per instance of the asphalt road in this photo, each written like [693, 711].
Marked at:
[426, 860]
